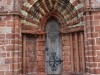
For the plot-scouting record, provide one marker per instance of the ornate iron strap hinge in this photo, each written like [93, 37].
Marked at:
[54, 61]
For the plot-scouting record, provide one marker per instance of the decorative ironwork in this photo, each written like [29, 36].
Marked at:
[54, 61]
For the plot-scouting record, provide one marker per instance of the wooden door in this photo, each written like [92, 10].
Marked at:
[53, 48]
[29, 54]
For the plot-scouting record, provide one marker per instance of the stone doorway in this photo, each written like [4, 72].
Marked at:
[71, 35]
[66, 47]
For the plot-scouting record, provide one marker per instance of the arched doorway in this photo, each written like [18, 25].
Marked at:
[53, 48]
[67, 46]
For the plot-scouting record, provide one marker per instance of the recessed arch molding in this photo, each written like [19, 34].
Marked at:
[70, 13]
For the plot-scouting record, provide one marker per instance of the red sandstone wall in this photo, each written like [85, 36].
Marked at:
[10, 45]
[92, 37]
[10, 39]
[66, 53]
[40, 47]
[92, 43]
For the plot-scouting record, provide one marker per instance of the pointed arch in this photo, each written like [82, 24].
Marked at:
[68, 12]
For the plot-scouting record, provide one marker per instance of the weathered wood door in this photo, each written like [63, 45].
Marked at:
[29, 54]
[53, 48]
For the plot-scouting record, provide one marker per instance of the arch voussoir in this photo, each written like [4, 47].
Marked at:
[67, 12]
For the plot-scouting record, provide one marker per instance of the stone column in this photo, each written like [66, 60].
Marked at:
[92, 39]
[41, 70]
[10, 38]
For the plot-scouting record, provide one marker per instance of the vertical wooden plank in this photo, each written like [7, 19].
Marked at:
[77, 51]
[72, 52]
[82, 48]
[24, 53]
